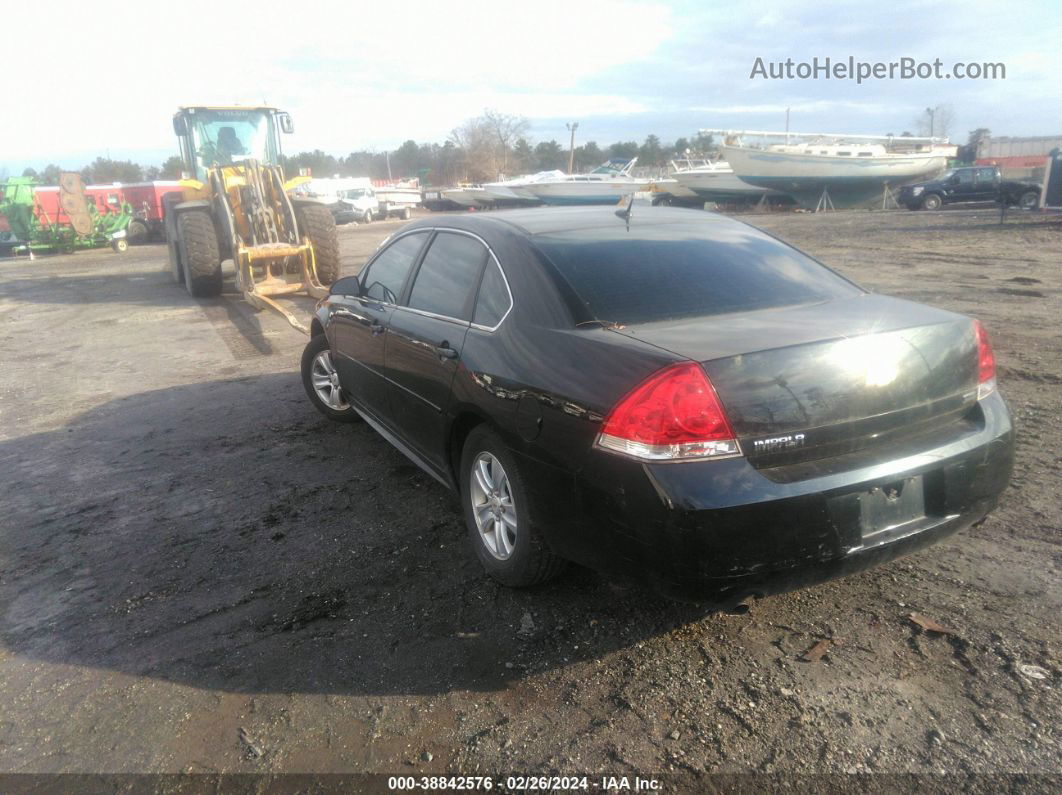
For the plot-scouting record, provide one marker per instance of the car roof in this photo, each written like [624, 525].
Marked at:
[552, 220]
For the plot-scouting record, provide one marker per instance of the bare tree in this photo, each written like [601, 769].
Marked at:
[936, 121]
[488, 142]
[506, 130]
[476, 147]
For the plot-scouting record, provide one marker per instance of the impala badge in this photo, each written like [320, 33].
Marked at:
[776, 443]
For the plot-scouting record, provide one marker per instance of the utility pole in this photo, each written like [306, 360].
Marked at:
[388, 154]
[572, 126]
[931, 113]
[787, 125]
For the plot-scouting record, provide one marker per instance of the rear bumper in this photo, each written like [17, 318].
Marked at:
[720, 531]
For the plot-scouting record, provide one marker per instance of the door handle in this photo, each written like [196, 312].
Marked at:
[377, 328]
[444, 351]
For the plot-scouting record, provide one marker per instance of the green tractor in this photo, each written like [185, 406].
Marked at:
[16, 207]
[32, 230]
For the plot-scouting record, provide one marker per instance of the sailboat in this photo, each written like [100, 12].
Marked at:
[845, 169]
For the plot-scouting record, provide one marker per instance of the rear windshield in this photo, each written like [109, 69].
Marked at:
[664, 271]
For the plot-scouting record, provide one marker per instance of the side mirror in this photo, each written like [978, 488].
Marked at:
[286, 125]
[348, 285]
[180, 125]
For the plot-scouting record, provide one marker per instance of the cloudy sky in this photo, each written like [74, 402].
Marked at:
[101, 80]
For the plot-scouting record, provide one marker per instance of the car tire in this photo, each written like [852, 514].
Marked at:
[1029, 200]
[120, 245]
[197, 242]
[511, 550]
[406, 213]
[316, 222]
[316, 366]
[368, 216]
[931, 202]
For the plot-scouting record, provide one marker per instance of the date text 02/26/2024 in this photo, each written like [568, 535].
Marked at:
[525, 783]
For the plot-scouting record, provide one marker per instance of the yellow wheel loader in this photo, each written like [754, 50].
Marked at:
[235, 204]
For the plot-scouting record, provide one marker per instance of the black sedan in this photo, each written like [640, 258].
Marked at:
[669, 395]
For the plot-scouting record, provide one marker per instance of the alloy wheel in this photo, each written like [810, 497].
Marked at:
[493, 506]
[325, 381]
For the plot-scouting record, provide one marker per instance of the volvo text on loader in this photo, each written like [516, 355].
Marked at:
[235, 204]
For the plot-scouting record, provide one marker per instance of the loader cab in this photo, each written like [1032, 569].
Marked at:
[215, 136]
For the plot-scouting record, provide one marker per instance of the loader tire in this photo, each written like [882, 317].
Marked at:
[316, 222]
[197, 241]
[169, 201]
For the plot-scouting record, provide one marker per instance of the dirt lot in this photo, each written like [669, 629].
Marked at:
[200, 573]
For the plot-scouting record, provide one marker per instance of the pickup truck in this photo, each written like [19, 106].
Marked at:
[365, 204]
[969, 184]
[356, 199]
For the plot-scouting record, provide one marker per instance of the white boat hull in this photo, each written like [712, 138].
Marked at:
[718, 185]
[461, 196]
[672, 187]
[586, 192]
[507, 193]
[850, 179]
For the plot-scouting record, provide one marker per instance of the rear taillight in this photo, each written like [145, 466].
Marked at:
[673, 415]
[986, 362]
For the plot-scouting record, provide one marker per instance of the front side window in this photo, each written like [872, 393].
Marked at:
[386, 274]
[965, 177]
[447, 277]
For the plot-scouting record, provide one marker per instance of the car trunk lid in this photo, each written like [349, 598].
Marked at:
[808, 382]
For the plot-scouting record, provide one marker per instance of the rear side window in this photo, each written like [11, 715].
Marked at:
[493, 300]
[387, 273]
[661, 271]
[448, 276]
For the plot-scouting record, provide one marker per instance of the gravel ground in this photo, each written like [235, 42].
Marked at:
[200, 573]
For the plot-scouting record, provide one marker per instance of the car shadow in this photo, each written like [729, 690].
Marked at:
[224, 535]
